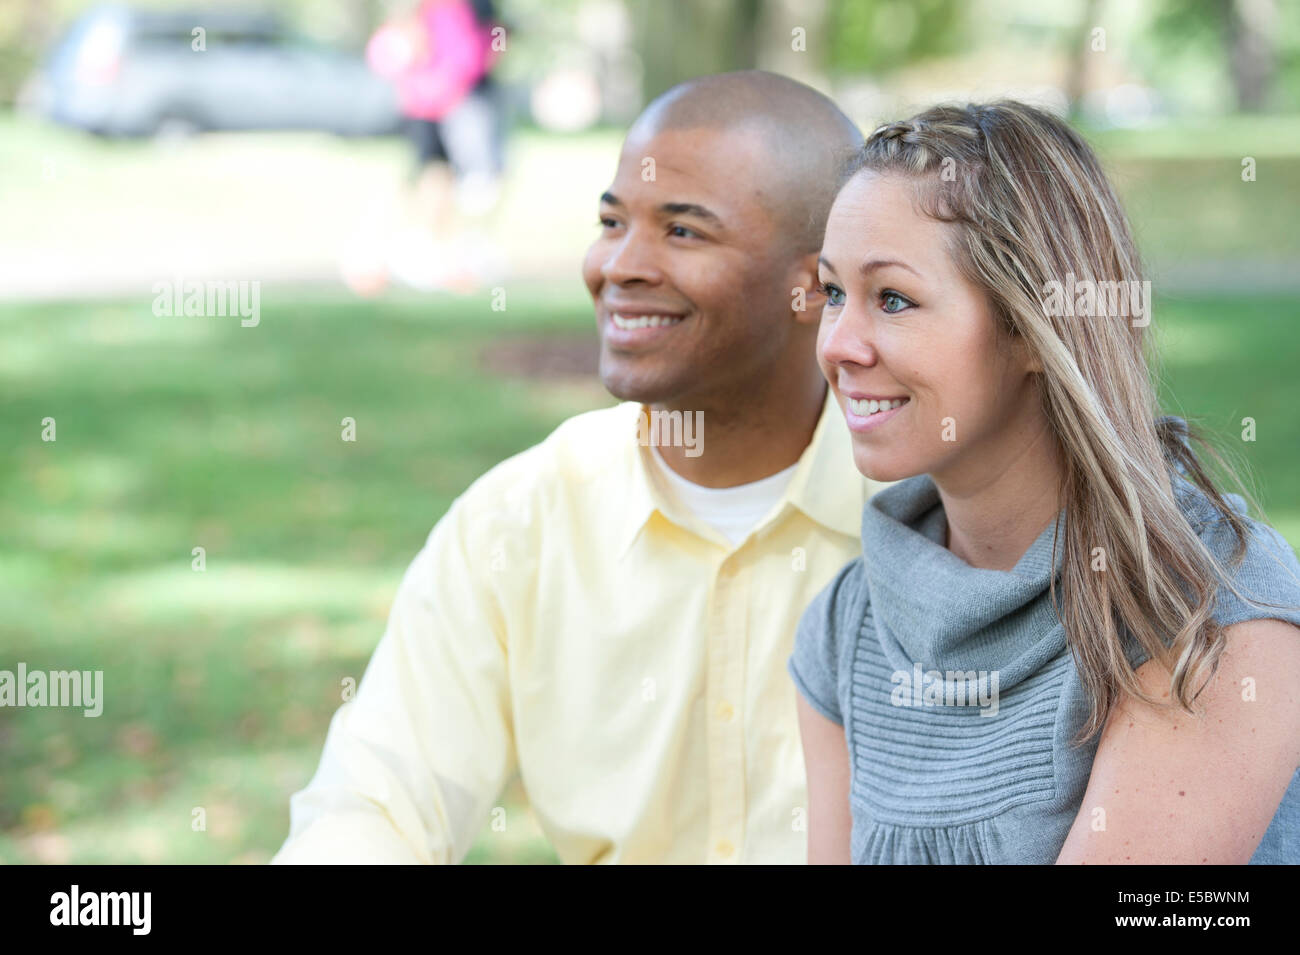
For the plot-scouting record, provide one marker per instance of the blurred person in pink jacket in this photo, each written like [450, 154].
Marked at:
[439, 57]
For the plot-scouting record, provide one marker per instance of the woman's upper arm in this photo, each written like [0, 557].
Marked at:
[826, 759]
[1170, 787]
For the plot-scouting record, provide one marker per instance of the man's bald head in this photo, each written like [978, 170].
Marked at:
[805, 136]
[710, 227]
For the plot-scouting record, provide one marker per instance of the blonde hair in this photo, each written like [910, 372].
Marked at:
[1032, 206]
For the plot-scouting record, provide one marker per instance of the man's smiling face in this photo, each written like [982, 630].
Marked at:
[690, 272]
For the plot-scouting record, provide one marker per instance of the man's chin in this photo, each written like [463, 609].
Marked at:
[624, 392]
[626, 385]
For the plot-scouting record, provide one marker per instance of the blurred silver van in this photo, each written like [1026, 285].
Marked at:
[123, 71]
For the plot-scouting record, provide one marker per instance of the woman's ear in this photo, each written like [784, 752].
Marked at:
[1025, 355]
[1034, 366]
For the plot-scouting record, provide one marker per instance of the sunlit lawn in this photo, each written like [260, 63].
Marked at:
[176, 433]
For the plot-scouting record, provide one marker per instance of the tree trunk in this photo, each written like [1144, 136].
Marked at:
[1248, 27]
[1076, 76]
[677, 40]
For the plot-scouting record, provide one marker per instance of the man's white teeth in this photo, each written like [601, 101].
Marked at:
[869, 406]
[644, 321]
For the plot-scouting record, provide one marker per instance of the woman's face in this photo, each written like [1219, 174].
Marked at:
[926, 380]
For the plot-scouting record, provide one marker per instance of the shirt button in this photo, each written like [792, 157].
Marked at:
[726, 711]
[724, 849]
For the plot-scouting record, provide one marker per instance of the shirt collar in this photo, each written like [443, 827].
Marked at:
[826, 485]
[641, 498]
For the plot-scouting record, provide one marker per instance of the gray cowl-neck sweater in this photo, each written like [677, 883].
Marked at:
[959, 696]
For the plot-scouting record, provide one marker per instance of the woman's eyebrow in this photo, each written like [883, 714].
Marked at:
[872, 264]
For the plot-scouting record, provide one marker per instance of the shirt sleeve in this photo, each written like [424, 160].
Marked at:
[814, 664]
[412, 765]
[1268, 577]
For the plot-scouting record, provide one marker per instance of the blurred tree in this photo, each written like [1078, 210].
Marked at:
[361, 19]
[1246, 31]
[1247, 27]
[26, 28]
[1076, 77]
[878, 36]
[677, 40]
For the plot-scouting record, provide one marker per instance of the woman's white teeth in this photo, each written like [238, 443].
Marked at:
[869, 406]
[644, 321]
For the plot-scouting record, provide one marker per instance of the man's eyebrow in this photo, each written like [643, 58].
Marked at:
[690, 209]
[671, 208]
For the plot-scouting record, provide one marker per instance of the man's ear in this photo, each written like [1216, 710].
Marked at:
[805, 301]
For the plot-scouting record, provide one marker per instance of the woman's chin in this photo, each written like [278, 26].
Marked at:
[883, 468]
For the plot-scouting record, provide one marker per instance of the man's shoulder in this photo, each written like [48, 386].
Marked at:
[580, 450]
[502, 518]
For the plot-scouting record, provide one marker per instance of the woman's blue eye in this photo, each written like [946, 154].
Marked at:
[834, 294]
[887, 297]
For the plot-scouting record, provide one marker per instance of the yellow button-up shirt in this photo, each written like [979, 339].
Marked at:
[565, 621]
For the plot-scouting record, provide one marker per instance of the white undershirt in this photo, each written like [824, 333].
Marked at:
[734, 511]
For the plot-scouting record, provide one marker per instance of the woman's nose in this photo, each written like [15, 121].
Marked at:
[847, 339]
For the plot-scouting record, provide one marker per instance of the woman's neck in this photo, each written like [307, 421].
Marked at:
[997, 507]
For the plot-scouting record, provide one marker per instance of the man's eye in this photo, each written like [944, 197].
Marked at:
[834, 294]
[608, 222]
[681, 232]
[893, 303]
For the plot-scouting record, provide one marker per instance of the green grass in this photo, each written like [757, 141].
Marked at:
[174, 433]
[1227, 359]
[1264, 135]
[1186, 212]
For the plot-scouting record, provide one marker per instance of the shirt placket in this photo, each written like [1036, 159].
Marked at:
[726, 671]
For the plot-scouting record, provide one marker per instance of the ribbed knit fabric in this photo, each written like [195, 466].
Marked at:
[941, 774]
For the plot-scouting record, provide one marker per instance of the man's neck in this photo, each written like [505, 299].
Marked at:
[746, 439]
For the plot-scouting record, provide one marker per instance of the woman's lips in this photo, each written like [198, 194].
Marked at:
[870, 421]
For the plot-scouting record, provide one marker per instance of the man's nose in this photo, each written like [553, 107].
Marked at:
[631, 259]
